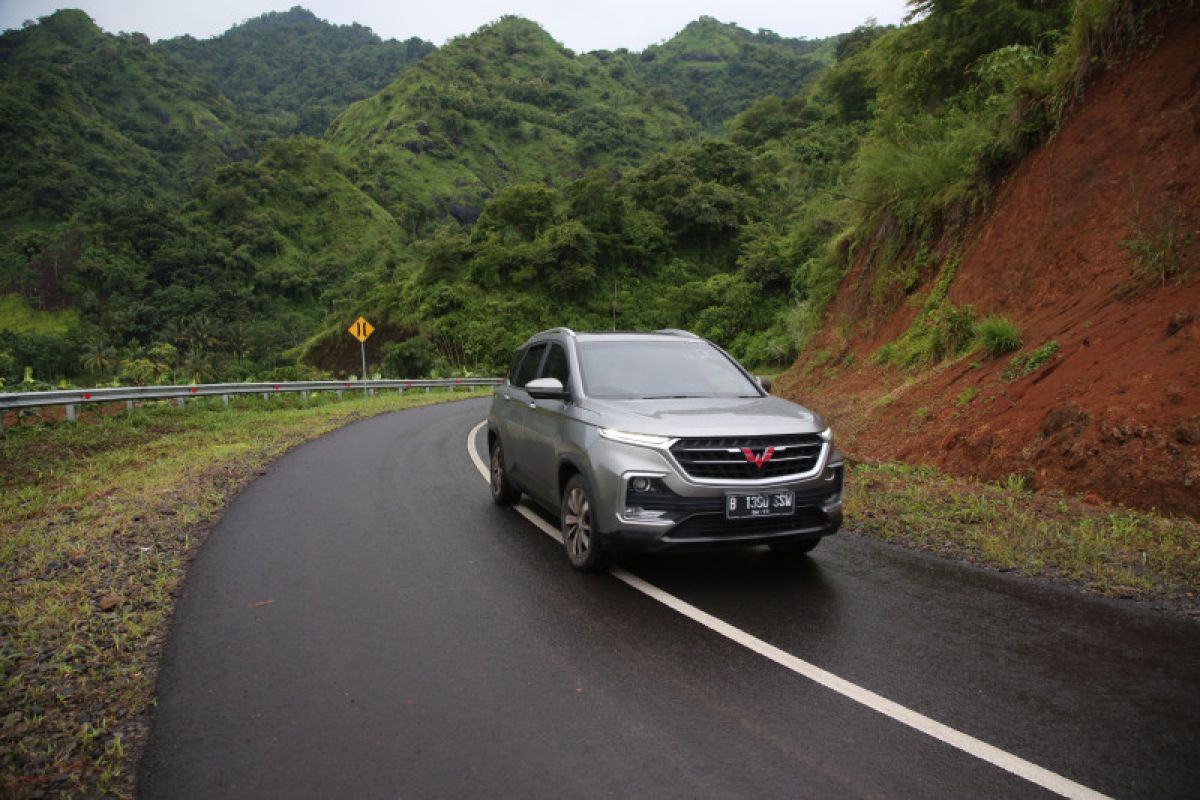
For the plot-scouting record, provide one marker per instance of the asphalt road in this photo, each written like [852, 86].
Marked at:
[364, 623]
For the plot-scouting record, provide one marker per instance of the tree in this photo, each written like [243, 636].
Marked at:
[99, 356]
[412, 358]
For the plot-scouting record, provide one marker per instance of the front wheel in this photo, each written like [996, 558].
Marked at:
[503, 492]
[584, 550]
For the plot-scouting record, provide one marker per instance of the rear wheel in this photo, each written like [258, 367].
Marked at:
[503, 492]
[584, 549]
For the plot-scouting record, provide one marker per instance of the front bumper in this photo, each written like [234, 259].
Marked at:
[679, 513]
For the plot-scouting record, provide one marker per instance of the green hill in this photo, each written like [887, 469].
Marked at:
[289, 72]
[503, 105]
[716, 70]
[85, 115]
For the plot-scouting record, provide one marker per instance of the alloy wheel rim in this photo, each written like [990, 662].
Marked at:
[497, 471]
[578, 523]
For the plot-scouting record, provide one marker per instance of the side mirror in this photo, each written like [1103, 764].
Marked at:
[546, 389]
[765, 383]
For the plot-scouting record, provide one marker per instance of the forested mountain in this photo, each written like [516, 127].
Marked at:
[503, 105]
[85, 116]
[717, 69]
[289, 72]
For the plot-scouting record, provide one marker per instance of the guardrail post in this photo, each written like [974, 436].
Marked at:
[1, 422]
[266, 396]
[341, 393]
[427, 390]
[225, 400]
[129, 405]
[71, 412]
[304, 393]
[181, 401]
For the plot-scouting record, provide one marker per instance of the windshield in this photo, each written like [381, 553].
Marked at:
[655, 369]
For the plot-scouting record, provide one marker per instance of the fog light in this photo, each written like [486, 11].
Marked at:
[640, 484]
[637, 514]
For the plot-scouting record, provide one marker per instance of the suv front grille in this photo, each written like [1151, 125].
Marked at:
[725, 458]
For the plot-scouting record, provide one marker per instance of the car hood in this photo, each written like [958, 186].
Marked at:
[707, 416]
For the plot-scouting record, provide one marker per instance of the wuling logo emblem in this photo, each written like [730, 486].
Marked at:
[759, 460]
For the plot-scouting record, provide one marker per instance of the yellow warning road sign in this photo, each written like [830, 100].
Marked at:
[361, 329]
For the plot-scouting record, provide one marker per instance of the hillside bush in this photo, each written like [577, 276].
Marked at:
[1027, 364]
[412, 358]
[998, 336]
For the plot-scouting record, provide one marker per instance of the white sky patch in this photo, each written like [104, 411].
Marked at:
[580, 26]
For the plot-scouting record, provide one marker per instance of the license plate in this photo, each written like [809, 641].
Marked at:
[763, 504]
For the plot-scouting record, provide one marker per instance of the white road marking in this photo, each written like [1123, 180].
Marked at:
[1016, 765]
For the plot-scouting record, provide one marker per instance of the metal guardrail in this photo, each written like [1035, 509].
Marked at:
[73, 398]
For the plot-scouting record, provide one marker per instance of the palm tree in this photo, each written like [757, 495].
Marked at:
[99, 356]
[239, 339]
[201, 333]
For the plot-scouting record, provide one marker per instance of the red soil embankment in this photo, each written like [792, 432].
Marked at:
[1116, 412]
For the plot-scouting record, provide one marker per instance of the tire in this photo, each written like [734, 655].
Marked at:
[503, 492]
[584, 549]
[797, 547]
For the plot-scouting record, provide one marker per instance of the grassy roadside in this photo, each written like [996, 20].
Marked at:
[98, 521]
[1113, 551]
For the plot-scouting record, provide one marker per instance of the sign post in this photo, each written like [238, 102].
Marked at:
[361, 329]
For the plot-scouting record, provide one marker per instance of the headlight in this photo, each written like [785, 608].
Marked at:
[643, 439]
[826, 435]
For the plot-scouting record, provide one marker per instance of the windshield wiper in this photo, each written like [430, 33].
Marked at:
[672, 396]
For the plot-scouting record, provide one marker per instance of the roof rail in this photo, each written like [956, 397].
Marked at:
[678, 332]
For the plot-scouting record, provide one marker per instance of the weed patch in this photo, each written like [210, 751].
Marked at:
[1157, 247]
[1115, 552]
[1027, 364]
[998, 336]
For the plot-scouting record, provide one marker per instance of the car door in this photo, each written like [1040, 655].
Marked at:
[515, 412]
[542, 429]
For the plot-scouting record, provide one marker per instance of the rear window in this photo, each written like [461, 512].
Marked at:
[655, 369]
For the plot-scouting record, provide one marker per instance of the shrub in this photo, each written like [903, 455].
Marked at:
[412, 358]
[1027, 364]
[998, 336]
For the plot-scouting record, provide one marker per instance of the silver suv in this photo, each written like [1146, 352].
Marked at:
[650, 441]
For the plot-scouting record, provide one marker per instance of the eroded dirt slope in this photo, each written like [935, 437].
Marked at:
[1116, 411]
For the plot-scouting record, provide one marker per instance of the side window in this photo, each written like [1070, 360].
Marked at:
[527, 369]
[556, 365]
[512, 368]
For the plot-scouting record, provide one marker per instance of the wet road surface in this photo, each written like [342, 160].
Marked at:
[364, 623]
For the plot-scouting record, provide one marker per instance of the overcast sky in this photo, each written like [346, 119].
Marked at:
[607, 24]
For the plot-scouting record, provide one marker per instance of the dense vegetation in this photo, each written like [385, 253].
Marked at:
[289, 73]
[503, 184]
[85, 115]
[504, 105]
[717, 69]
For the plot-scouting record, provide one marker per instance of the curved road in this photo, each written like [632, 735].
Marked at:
[364, 623]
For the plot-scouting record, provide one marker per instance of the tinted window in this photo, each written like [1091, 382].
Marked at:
[656, 369]
[527, 369]
[512, 368]
[556, 365]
